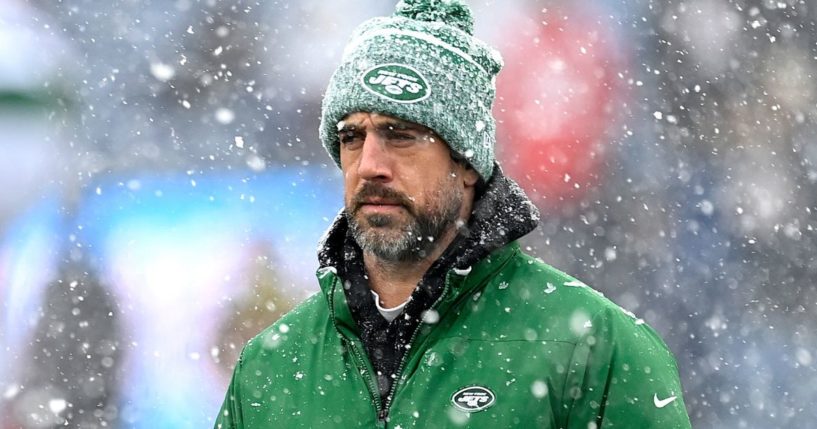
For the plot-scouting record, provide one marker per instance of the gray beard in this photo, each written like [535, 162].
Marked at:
[418, 238]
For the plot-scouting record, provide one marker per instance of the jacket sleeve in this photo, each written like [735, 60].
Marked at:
[622, 375]
[230, 416]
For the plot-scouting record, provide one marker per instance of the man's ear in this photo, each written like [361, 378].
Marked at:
[470, 176]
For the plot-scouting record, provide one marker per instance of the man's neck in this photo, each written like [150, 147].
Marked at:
[394, 282]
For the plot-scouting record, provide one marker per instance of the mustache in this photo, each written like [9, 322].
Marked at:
[374, 190]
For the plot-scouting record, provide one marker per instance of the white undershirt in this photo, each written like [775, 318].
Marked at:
[388, 313]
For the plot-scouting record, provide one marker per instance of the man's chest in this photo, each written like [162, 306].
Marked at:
[453, 383]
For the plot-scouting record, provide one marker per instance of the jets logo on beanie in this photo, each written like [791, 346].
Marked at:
[396, 82]
[423, 65]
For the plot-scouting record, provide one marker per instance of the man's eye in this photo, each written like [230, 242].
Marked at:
[349, 138]
[399, 136]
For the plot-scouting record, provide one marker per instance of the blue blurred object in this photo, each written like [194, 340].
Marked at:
[175, 253]
[28, 259]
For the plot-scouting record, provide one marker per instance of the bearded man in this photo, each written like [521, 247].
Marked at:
[430, 314]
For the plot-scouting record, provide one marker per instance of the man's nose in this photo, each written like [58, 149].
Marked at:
[375, 160]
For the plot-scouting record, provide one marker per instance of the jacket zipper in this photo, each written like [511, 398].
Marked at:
[384, 412]
[374, 391]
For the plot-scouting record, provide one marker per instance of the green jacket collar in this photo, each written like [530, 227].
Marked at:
[459, 281]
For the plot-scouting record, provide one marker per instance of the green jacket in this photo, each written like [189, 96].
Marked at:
[512, 342]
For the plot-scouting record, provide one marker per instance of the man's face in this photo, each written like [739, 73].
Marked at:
[402, 189]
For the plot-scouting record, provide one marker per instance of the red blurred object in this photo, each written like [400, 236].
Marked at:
[555, 101]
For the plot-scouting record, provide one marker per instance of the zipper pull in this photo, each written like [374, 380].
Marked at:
[383, 414]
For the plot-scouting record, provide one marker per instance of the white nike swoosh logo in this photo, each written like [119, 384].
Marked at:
[661, 403]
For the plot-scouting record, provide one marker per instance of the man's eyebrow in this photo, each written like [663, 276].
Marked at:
[403, 126]
[347, 127]
[386, 126]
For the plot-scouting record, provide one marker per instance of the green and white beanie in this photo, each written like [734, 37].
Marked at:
[422, 65]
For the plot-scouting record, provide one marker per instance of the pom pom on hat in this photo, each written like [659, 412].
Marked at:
[451, 12]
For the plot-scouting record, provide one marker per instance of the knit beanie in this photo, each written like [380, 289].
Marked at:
[422, 65]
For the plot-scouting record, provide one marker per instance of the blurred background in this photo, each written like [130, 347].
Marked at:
[164, 190]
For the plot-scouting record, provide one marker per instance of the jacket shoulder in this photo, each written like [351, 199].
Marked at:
[535, 282]
[301, 327]
[547, 302]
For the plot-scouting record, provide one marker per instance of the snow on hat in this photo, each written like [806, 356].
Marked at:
[422, 65]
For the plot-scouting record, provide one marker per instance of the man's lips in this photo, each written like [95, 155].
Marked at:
[380, 204]
[374, 198]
